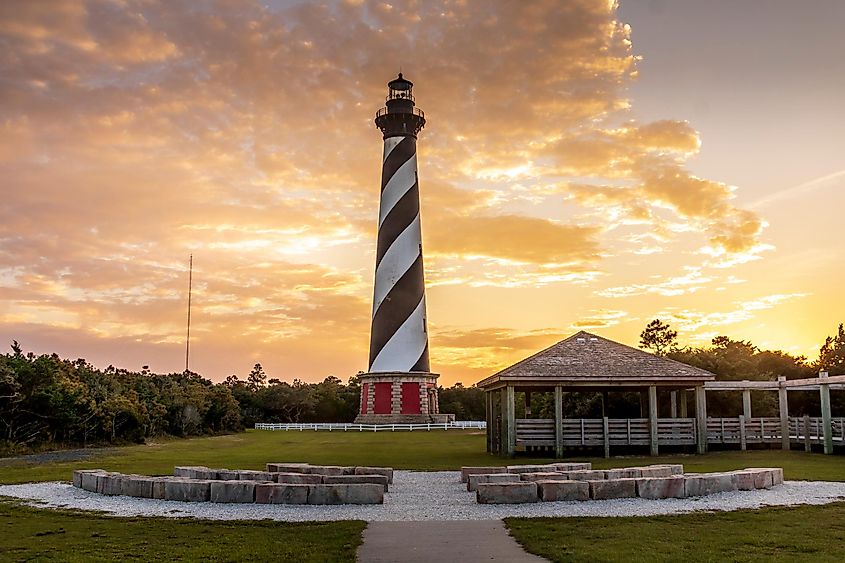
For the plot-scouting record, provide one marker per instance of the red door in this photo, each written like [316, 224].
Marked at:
[381, 404]
[411, 398]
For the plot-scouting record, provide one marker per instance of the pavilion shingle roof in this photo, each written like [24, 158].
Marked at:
[585, 356]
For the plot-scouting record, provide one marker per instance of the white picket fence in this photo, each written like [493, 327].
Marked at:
[350, 427]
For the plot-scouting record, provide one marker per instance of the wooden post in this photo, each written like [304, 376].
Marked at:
[701, 419]
[509, 409]
[528, 404]
[783, 405]
[652, 418]
[503, 425]
[606, 426]
[488, 411]
[807, 445]
[682, 398]
[827, 423]
[746, 403]
[558, 421]
[673, 404]
[742, 439]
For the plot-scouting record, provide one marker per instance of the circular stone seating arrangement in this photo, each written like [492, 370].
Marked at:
[516, 484]
[282, 483]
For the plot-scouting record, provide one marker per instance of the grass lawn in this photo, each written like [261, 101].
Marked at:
[27, 534]
[805, 533]
[435, 450]
[816, 533]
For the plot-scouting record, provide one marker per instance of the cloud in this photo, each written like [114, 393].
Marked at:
[479, 352]
[600, 318]
[135, 133]
[694, 280]
[515, 238]
[691, 321]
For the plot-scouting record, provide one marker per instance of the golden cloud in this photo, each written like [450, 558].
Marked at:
[134, 133]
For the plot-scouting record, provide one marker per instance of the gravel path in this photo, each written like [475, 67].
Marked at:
[417, 496]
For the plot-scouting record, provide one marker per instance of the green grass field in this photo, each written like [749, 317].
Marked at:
[810, 533]
[806, 533]
[30, 534]
[435, 450]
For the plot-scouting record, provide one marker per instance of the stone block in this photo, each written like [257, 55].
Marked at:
[103, 482]
[546, 468]
[330, 470]
[477, 478]
[656, 471]
[233, 491]
[586, 475]
[249, 475]
[273, 493]
[614, 488]
[623, 473]
[572, 466]
[386, 471]
[544, 476]
[674, 468]
[190, 471]
[288, 467]
[700, 484]
[87, 475]
[89, 479]
[506, 493]
[138, 486]
[467, 471]
[776, 473]
[367, 493]
[355, 479]
[158, 487]
[661, 487]
[563, 490]
[762, 478]
[743, 480]
[228, 475]
[297, 478]
[187, 490]
[113, 485]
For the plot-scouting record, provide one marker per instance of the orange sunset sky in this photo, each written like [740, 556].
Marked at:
[585, 165]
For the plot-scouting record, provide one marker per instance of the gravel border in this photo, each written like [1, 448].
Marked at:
[417, 496]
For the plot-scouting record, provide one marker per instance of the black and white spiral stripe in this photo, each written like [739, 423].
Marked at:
[399, 339]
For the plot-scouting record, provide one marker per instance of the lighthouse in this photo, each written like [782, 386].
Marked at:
[399, 386]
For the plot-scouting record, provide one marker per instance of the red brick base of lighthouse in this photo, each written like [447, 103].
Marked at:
[397, 397]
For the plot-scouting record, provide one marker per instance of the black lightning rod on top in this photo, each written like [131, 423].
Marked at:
[190, 283]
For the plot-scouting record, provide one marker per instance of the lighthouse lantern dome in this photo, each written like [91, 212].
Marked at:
[400, 89]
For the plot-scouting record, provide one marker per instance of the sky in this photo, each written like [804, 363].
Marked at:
[585, 165]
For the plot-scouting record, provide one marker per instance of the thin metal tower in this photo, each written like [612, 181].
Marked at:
[190, 285]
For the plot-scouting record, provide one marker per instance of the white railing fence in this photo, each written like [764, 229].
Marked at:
[351, 427]
[674, 431]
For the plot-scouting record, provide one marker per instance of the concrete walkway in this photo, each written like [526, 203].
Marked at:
[464, 541]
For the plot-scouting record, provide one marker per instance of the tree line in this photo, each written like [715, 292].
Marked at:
[47, 401]
[734, 360]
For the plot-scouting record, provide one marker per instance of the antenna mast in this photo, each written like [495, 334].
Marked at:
[190, 284]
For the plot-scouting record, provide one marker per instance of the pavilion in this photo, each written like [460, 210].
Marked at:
[586, 362]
